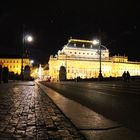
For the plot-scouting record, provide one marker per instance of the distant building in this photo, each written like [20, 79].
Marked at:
[14, 63]
[80, 58]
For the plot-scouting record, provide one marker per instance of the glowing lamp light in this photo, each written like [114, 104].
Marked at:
[32, 61]
[29, 38]
[95, 42]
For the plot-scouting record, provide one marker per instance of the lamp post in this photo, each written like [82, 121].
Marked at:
[25, 38]
[97, 42]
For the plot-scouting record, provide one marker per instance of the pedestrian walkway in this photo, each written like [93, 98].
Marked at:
[26, 112]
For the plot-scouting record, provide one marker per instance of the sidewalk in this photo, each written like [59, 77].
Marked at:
[26, 113]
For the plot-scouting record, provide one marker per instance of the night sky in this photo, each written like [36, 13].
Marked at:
[53, 23]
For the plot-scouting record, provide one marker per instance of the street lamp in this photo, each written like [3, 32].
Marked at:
[32, 61]
[29, 38]
[98, 42]
[25, 38]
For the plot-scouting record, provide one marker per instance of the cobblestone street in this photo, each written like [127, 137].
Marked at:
[26, 112]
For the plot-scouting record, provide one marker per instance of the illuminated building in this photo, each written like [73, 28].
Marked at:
[14, 64]
[80, 58]
[41, 72]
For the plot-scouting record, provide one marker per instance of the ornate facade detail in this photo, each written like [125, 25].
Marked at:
[81, 59]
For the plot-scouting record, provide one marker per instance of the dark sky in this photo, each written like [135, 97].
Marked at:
[53, 23]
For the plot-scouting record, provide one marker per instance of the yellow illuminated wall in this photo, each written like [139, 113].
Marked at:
[14, 64]
[90, 68]
[87, 67]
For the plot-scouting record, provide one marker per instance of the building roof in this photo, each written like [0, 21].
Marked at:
[76, 43]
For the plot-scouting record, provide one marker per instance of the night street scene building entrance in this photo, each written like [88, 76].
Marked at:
[80, 58]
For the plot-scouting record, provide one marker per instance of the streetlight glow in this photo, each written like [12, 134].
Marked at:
[32, 61]
[29, 38]
[95, 42]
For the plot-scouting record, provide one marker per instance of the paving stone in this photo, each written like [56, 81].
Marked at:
[10, 129]
[64, 133]
[31, 131]
[6, 136]
[2, 127]
[27, 113]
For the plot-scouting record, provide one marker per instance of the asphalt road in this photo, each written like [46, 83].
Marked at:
[118, 101]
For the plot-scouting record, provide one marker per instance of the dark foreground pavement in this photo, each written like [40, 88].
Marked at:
[26, 112]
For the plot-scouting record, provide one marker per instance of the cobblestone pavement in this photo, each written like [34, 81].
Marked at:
[26, 113]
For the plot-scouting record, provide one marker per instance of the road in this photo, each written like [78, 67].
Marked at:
[116, 100]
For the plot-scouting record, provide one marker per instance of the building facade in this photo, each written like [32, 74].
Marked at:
[80, 58]
[14, 64]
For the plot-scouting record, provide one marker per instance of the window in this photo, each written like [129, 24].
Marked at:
[83, 45]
